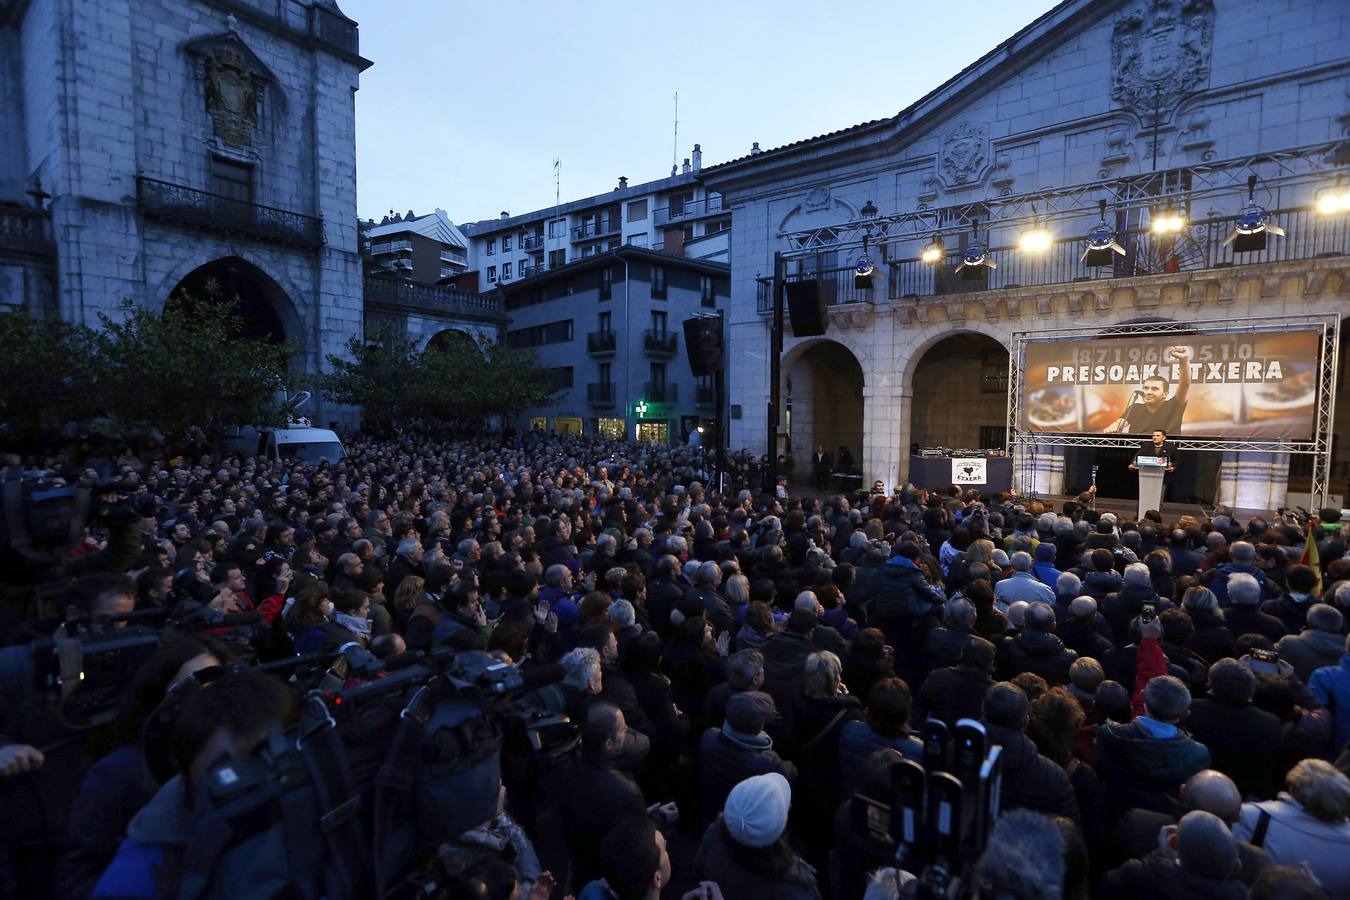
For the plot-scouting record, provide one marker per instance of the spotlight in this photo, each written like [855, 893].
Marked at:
[1333, 201]
[1249, 234]
[1167, 221]
[862, 273]
[933, 253]
[975, 258]
[1037, 240]
[1102, 245]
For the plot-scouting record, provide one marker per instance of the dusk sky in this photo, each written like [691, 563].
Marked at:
[468, 104]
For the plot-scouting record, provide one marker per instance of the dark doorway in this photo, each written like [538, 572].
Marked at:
[260, 298]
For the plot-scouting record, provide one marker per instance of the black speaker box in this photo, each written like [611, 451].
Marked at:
[806, 308]
[703, 344]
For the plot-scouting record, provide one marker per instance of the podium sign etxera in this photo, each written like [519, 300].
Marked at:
[1151, 470]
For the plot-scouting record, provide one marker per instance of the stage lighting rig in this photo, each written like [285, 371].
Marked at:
[975, 257]
[1102, 244]
[1249, 234]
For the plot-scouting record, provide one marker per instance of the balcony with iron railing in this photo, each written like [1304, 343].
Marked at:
[432, 298]
[530, 242]
[185, 206]
[596, 228]
[690, 209]
[383, 247]
[454, 255]
[1201, 245]
[600, 343]
[657, 392]
[660, 344]
[26, 229]
[600, 393]
[531, 271]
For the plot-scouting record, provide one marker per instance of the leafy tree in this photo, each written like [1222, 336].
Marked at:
[189, 367]
[379, 374]
[49, 376]
[482, 378]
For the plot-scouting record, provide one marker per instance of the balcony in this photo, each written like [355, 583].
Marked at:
[456, 257]
[660, 344]
[835, 285]
[596, 229]
[660, 393]
[384, 247]
[690, 209]
[408, 295]
[531, 271]
[530, 242]
[600, 394]
[600, 343]
[1200, 246]
[185, 206]
[26, 229]
[704, 397]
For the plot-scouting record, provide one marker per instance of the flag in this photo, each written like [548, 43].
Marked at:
[1311, 558]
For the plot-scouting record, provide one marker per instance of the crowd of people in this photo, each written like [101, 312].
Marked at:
[744, 669]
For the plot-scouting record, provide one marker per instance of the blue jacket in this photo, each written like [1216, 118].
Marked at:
[902, 592]
[858, 741]
[1046, 573]
[1331, 685]
[149, 861]
[1217, 579]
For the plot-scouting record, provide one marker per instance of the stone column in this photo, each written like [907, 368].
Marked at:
[885, 432]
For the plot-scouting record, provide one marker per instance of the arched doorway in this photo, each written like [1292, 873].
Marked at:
[264, 308]
[449, 339]
[823, 399]
[960, 389]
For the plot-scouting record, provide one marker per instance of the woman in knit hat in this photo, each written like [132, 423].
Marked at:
[745, 852]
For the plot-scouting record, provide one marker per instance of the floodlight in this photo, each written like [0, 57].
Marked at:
[1037, 240]
[1102, 245]
[1167, 221]
[975, 256]
[933, 253]
[1333, 201]
[862, 272]
[1249, 234]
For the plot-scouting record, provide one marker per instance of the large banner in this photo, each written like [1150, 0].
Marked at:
[1213, 385]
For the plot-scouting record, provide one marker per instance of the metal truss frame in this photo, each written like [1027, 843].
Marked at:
[1328, 324]
[1276, 168]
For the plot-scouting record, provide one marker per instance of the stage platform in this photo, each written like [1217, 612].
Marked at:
[1125, 509]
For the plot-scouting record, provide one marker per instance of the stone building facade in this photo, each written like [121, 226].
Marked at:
[1142, 103]
[182, 141]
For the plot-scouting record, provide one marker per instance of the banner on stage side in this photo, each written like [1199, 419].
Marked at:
[969, 471]
[1211, 385]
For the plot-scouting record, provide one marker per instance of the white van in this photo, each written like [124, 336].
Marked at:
[295, 442]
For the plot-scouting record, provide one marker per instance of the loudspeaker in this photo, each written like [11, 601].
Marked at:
[703, 344]
[806, 308]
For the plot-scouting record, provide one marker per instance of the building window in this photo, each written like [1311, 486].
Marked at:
[557, 258]
[714, 201]
[567, 424]
[610, 428]
[538, 335]
[637, 211]
[636, 240]
[688, 232]
[606, 321]
[658, 282]
[492, 246]
[562, 377]
[232, 179]
[492, 274]
[604, 373]
[706, 290]
[658, 322]
[717, 226]
[557, 228]
[606, 283]
[612, 245]
[678, 203]
[506, 270]
[506, 243]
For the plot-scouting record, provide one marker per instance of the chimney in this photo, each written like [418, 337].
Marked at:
[409, 217]
[698, 158]
[754, 149]
[623, 182]
[685, 169]
[505, 214]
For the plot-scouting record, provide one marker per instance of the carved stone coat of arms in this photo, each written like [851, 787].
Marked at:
[1160, 51]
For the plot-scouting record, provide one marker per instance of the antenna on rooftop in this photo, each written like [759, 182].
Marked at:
[557, 181]
[675, 144]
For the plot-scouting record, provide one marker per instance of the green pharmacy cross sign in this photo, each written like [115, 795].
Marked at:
[644, 410]
[640, 408]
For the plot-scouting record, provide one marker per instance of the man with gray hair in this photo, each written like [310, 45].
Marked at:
[1242, 559]
[1022, 584]
[1244, 615]
[1198, 858]
[706, 577]
[1124, 605]
[1084, 630]
[1319, 644]
[1147, 761]
[1036, 648]
[943, 646]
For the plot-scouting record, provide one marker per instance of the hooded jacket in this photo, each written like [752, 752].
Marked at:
[727, 757]
[1311, 650]
[1144, 771]
[148, 862]
[902, 593]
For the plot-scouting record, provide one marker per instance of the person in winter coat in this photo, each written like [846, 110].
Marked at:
[1030, 780]
[1331, 686]
[904, 601]
[957, 692]
[1146, 762]
[867, 661]
[1121, 606]
[885, 724]
[1044, 567]
[1292, 606]
[1103, 579]
[1308, 825]
[1244, 616]
[785, 657]
[1036, 648]
[1243, 740]
[1212, 639]
[1081, 630]
[738, 750]
[1319, 644]
[745, 851]
[1199, 860]
[943, 646]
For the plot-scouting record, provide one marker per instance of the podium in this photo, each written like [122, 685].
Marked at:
[1151, 471]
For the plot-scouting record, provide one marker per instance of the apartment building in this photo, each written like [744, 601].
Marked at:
[675, 216]
[609, 327]
[427, 249]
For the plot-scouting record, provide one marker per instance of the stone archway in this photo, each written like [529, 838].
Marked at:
[959, 385]
[823, 396]
[448, 338]
[266, 309]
